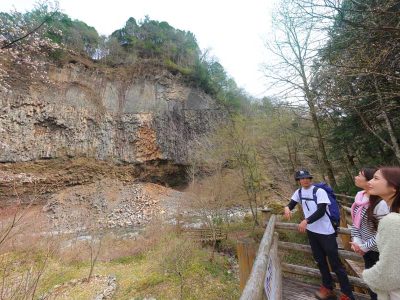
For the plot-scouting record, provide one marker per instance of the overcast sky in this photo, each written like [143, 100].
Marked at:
[234, 30]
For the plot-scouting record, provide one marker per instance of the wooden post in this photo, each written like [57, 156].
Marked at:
[179, 222]
[246, 251]
[265, 216]
[279, 287]
[347, 213]
[343, 223]
[254, 289]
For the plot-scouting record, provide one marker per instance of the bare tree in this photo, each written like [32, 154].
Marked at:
[20, 280]
[23, 33]
[358, 66]
[10, 226]
[94, 246]
[211, 195]
[177, 257]
[294, 47]
[210, 200]
[242, 141]
[90, 233]
[20, 277]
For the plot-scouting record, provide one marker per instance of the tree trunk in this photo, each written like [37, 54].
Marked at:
[291, 160]
[393, 139]
[319, 164]
[350, 157]
[310, 98]
[321, 146]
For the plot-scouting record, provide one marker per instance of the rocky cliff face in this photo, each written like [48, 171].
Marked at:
[107, 114]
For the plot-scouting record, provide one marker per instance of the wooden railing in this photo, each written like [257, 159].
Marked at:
[345, 200]
[206, 234]
[265, 280]
[301, 270]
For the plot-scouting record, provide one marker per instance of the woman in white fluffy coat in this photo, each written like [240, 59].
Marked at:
[384, 277]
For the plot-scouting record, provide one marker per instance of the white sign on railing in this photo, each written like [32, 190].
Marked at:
[271, 280]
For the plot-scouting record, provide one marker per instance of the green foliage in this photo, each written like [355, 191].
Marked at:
[139, 276]
[353, 87]
[51, 24]
[154, 39]
[178, 49]
[228, 246]
[144, 40]
[150, 281]
[209, 75]
[218, 269]
[173, 67]
[57, 55]
[74, 34]
[129, 259]
[356, 86]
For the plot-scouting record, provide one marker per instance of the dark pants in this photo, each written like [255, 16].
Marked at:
[325, 246]
[370, 259]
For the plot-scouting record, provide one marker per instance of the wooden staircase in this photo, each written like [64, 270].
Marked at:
[269, 277]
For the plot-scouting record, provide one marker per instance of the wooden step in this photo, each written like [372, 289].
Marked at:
[294, 289]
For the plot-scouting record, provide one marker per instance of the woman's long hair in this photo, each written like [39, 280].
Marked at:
[373, 199]
[392, 176]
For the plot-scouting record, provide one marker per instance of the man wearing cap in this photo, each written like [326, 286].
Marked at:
[321, 235]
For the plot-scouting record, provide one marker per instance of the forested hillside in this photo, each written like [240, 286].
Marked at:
[113, 149]
[46, 30]
[335, 61]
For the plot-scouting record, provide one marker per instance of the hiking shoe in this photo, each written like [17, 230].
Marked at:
[324, 294]
[344, 297]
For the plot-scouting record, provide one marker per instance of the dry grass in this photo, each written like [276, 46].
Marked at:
[81, 290]
[140, 266]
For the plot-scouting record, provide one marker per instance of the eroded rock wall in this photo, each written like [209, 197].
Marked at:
[105, 114]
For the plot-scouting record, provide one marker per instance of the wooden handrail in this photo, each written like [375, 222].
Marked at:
[345, 196]
[254, 289]
[347, 209]
[344, 199]
[267, 257]
[307, 249]
[293, 227]
[301, 270]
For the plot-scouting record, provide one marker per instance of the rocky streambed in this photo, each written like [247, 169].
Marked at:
[116, 204]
